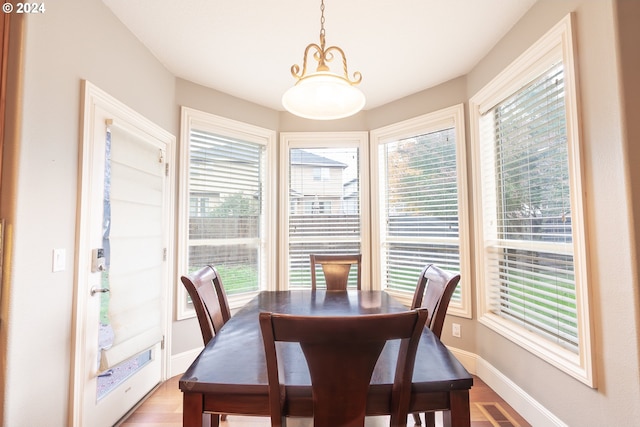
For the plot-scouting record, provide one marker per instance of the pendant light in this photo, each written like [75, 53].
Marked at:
[323, 94]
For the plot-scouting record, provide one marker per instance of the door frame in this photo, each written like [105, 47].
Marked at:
[95, 102]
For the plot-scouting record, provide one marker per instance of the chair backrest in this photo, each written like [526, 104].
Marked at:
[433, 292]
[341, 354]
[336, 270]
[209, 300]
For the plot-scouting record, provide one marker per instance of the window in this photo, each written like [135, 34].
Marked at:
[321, 174]
[226, 203]
[322, 177]
[531, 238]
[418, 197]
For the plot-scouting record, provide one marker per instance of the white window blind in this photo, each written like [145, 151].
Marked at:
[528, 216]
[226, 204]
[133, 243]
[531, 235]
[324, 208]
[420, 208]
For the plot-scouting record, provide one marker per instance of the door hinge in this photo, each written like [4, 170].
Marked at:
[162, 343]
[166, 169]
[164, 254]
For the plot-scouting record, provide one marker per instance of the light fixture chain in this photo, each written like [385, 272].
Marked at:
[322, 19]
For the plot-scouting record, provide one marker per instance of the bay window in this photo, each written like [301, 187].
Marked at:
[531, 242]
[226, 203]
[324, 194]
[419, 202]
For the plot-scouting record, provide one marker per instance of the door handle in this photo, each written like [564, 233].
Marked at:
[99, 291]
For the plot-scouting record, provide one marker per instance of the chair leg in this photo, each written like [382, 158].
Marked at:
[430, 419]
[416, 419]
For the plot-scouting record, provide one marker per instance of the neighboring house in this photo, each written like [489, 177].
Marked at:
[350, 201]
[316, 183]
[204, 197]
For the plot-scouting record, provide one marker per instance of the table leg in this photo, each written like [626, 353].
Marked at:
[192, 409]
[459, 414]
[211, 420]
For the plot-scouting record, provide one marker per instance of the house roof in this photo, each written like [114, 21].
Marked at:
[304, 157]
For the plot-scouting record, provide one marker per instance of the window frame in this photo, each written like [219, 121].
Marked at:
[192, 118]
[556, 45]
[311, 140]
[451, 117]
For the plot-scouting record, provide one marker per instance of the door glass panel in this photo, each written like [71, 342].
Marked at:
[110, 378]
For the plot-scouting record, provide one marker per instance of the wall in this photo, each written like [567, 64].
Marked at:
[71, 41]
[211, 101]
[627, 17]
[612, 262]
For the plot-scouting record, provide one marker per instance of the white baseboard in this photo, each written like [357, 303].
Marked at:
[181, 361]
[530, 409]
[467, 359]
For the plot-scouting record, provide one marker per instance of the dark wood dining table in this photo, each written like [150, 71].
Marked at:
[230, 376]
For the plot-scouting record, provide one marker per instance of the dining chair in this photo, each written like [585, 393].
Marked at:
[433, 292]
[336, 270]
[341, 353]
[210, 302]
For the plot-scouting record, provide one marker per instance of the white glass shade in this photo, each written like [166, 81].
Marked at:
[323, 96]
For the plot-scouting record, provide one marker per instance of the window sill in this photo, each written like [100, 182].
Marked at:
[578, 366]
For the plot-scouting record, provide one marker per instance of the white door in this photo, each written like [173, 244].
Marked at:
[123, 270]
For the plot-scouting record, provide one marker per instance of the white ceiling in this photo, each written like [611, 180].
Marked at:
[246, 47]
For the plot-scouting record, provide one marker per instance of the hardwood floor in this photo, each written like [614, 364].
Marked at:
[164, 409]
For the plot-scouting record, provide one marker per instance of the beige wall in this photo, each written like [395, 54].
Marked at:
[83, 40]
[628, 17]
[72, 41]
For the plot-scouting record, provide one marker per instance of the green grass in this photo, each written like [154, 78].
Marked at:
[104, 299]
[238, 278]
[538, 296]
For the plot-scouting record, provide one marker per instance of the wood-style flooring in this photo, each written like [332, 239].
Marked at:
[163, 408]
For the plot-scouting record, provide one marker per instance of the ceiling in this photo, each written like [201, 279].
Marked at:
[246, 47]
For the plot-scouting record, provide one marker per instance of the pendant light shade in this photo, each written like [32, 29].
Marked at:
[323, 94]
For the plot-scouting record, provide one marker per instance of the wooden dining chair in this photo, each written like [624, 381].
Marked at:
[336, 270]
[341, 353]
[433, 292]
[210, 302]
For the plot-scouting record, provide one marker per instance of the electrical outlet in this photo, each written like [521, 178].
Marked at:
[455, 330]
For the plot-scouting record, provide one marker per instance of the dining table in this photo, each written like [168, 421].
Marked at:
[229, 376]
